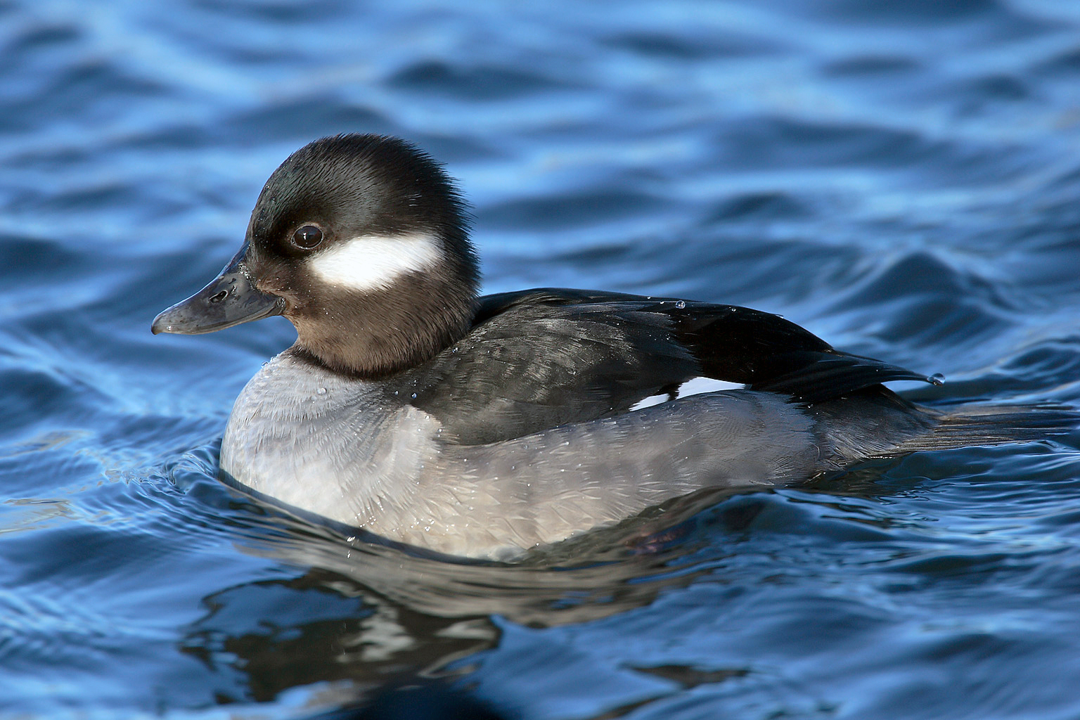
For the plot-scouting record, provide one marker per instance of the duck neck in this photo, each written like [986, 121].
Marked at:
[375, 334]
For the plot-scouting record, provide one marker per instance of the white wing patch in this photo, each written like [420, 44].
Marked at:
[374, 262]
[693, 386]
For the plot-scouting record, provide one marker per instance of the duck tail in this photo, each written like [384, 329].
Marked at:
[878, 423]
[972, 425]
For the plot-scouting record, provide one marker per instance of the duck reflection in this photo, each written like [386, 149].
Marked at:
[365, 615]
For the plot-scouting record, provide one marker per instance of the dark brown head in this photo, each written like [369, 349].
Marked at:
[362, 242]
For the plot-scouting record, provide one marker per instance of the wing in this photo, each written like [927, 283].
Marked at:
[540, 358]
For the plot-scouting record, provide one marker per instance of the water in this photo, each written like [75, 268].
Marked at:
[899, 177]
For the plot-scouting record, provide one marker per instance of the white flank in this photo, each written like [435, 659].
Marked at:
[693, 386]
[374, 262]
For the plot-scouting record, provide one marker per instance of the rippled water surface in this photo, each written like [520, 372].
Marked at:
[902, 178]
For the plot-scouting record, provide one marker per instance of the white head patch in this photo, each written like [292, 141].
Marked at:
[374, 262]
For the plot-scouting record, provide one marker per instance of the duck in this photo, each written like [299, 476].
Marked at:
[485, 426]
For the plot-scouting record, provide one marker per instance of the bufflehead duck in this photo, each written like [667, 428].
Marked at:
[484, 426]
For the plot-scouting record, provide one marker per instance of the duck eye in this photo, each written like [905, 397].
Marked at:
[307, 236]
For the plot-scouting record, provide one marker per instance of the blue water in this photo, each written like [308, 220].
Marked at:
[901, 177]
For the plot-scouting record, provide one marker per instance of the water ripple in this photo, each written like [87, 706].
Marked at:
[899, 177]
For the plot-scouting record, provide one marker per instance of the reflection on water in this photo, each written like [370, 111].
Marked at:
[361, 616]
[367, 615]
[376, 615]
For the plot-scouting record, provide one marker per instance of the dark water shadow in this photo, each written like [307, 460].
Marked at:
[363, 616]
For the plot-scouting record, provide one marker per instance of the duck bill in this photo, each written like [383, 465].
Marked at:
[230, 299]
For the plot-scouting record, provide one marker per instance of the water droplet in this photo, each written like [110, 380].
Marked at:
[937, 379]
[680, 304]
[321, 391]
[413, 396]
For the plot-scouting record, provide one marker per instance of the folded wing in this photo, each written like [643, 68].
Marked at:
[540, 358]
